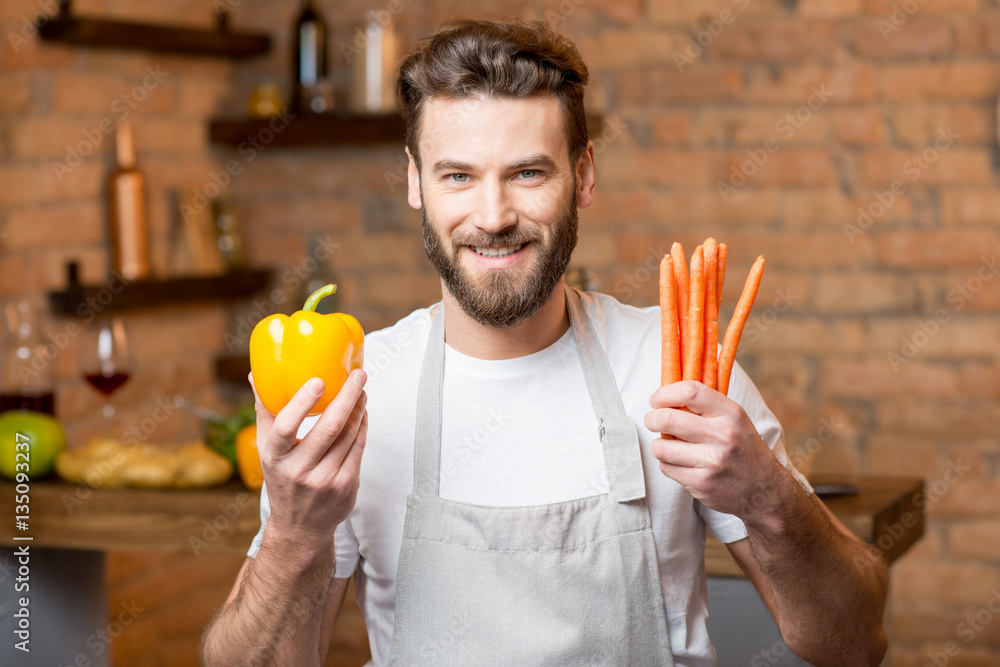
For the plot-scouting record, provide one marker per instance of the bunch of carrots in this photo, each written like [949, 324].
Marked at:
[689, 312]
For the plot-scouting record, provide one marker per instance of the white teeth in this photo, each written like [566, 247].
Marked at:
[499, 252]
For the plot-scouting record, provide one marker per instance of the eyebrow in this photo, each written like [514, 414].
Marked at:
[539, 160]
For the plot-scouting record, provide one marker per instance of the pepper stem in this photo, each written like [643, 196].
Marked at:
[313, 300]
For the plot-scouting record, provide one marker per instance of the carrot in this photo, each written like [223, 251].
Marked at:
[670, 358]
[723, 251]
[683, 289]
[732, 340]
[694, 337]
[710, 359]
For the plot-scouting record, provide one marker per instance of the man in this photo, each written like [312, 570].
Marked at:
[516, 504]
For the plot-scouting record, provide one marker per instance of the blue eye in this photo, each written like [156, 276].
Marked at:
[530, 172]
[459, 178]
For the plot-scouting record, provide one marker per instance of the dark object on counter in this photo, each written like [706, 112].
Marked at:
[835, 489]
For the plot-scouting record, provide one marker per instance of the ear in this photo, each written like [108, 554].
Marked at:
[586, 177]
[412, 182]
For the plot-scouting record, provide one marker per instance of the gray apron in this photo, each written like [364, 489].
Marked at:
[568, 583]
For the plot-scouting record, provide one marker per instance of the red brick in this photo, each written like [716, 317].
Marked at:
[114, 96]
[21, 184]
[794, 84]
[53, 138]
[596, 250]
[780, 40]
[592, 12]
[924, 623]
[402, 289]
[979, 379]
[809, 336]
[864, 293]
[620, 49]
[887, 7]
[705, 207]
[787, 166]
[967, 337]
[903, 456]
[975, 540]
[919, 124]
[87, 181]
[202, 98]
[665, 85]
[612, 207]
[692, 11]
[749, 127]
[927, 249]
[33, 53]
[277, 172]
[171, 137]
[871, 378]
[19, 88]
[949, 583]
[21, 273]
[42, 227]
[878, 38]
[969, 206]
[969, 498]
[860, 127]
[809, 207]
[939, 81]
[926, 417]
[671, 127]
[828, 8]
[660, 167]
[930, 166]
[977, 35]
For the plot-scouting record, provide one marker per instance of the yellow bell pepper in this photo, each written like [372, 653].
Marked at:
[286, 351]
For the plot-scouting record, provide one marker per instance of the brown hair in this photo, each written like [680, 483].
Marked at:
[494, 58]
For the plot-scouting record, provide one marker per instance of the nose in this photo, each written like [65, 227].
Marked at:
[495, 210]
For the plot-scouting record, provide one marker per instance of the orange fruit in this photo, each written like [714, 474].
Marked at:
[247, 458]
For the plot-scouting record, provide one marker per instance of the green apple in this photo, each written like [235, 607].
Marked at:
[45, 439]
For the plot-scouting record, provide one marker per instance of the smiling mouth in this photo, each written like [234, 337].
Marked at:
[503, 251]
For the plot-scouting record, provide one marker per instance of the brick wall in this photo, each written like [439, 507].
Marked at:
[851, 142]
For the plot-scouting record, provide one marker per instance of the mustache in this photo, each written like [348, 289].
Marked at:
[504, 238]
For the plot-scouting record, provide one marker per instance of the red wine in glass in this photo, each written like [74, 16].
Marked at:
[43, 402]
[106, 384]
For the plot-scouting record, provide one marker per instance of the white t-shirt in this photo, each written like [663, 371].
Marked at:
[523, 432]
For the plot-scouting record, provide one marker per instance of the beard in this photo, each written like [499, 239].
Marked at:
[502, 298]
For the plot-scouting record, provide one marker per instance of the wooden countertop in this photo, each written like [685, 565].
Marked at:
[223, 520]
[887, 513]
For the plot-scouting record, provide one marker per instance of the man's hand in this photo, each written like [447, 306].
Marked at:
[312, 483]
[718, 455]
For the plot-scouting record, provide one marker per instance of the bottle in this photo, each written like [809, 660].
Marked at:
[374, 70]
[309, 77]
[127, 212]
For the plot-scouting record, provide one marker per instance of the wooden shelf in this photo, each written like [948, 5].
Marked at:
[233, 368]
[103, 33]
[315, 130]
[882, 507]
[156, 293]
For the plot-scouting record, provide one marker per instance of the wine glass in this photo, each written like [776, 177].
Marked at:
[106, 362]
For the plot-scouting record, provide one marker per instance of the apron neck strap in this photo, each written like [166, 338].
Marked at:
[622, 455]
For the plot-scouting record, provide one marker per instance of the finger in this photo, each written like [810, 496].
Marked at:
[264, 416]
[694, 396]
[286, 423]
[350, 466]
[681, 454]
[686, 477]
[679, 423]
[335, 419]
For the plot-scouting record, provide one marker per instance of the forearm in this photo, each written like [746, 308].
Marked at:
[275, 619]
[829, 589]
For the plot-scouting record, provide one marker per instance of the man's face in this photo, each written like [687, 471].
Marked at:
[499, 200]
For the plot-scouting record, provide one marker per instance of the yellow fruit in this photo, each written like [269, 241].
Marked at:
[247, 457]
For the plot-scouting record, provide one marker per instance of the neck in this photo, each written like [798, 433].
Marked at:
[466, 335]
